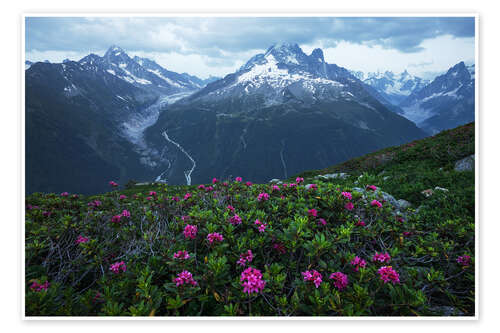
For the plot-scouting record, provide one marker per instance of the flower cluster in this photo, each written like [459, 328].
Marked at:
[340, 280]
[181, 255]
[64, 194]
[464, 260]
[347, 195]
[122, 197]
[117, 218]
[262, 226]
[360, 223]
[112, 183]
[299, 180]
[357, 262]
[312, 212]
[95, 203]
[276, 188]
[234, 220]
[35, 286]
[185, 277]
[214, 237]
[230, 208]
[190, 231]
[215, 181]
[349, 206]
[279, 247]
[251, 281]
[238, 179]
[321, 222]
[263, 197]
[81, 239]
[313, 276]
[245, 257]
[117, 267]
[381, 257]
[371, 187]
[387, 274]
[376, 203]
[187, 196]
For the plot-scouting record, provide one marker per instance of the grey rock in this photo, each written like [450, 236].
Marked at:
[340, 175]
[274, 180]
[386, 177]
[437, 188]
[403, 204]
[465, 164]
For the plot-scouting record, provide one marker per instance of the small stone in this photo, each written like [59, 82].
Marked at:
[465, 164]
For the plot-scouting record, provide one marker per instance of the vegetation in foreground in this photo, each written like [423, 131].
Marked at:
[305, 247]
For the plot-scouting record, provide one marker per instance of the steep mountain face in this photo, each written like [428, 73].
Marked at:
[394, 87]
[281, 113]
[86, 126]
[447, 102]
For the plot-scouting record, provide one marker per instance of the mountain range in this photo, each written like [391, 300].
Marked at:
[283, 112]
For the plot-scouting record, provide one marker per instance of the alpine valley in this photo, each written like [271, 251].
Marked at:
[283, 112]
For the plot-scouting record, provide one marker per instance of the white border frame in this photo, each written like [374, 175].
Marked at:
[236, 14]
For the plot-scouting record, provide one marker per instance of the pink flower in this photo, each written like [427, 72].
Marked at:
[122, 196]
[321, 221]
[371, 187]
[238, 179]
[313, 187]
[185, 277]
[312, 212]
[245, 258]
[387, 274]
[313, 276]
[81, 239]
[116, 219]
[201, 187]
[406, 233]
[230, 208]
[149, 198]
[279, 247]
[276, 188]
[112, 183]
[64, 194]
[181, 255]
[95, 203]
[360, 223]
[190, 231]
[464, 260]
[262, 227]
[248, 184]
[176, 199]
[225, 184]
[117, 267]
[235, 220]
[187, 196]
[252, 282]
[349, 206]
[347, 195]
[340, 280]
[215, 181]
[125, 213]
[376, 203]
[381, 257]
[35, 286]
[299, 180]
[74, 196]
[214, 237]
[357, 262]
[263, 197]
[152, 193]
[293, 185]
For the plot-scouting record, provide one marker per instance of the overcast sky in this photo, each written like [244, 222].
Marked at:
[218, 46]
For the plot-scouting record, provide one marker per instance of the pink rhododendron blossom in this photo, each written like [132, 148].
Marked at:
[360, 223]
[299, 180]
[349, 206]
[74, 196]
[225, 184]
[187, 196]
[313, 187]
[81, 239]
[185, 218]
[235, 220]
[122, 196]
[263, 197]
[182, 255]
[239, 179]
[358, 263]
[245, 258]
[371, 187]
[292, 185]
[400, 219]
[185, 277]
[407, 233]
[214, 237]
[35, 286]
[152, 193]
[464, 260]
[313, 276]
[95, 203]
[116, 219]
[279, 247]
[149, 198]
[215, 181]
[201, 187]
[112, 183]
[118, 267]
[285, 185]
[276, 188]
[248, 184]
[230, 208]
[125, 213]
[387, 274]
[64, 194]
[340, 280]
[321, 221]
[381, 257]
[262, 227]
[347, 195]
[251, 281]
[312, 212]
[176, 199]
[190, 231]
[376, 203]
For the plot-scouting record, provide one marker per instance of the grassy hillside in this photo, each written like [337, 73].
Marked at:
[336, 248]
